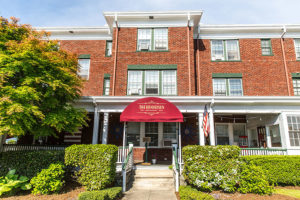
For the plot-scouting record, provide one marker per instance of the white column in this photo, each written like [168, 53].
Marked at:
[212, 127]
[284, 131]
[105, 127]
[268, 137]
[96, 126]
[179, 143]
[230, 134]
[201, 132]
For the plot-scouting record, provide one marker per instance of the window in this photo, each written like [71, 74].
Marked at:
[225, 50]
[133, 133]
[108, 49]
[297, 48]
[294, 130]
[227, 87]
[152, 82]
[169, 133]
[275, 136]
[84, 67]
[106, 84]
[222, 134]
[238, 130]
[151, 130]
[296, 86]
[266, 47]
[154, 39]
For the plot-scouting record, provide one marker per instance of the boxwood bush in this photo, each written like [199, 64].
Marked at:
[189, 193]
[95, 164]
[106, 194]
[49, 180]
[28, 163]
[212, 167]
[280, 170]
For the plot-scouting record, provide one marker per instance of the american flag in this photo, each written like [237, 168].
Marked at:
[205, 124]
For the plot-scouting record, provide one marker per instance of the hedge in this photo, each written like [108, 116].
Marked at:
[106, 194]
[189, 193]
[28, 163]
[280, 170]
[211, 167]
[95, 164]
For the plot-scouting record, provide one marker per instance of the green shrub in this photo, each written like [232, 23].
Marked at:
[106, 194]
[11, 183]
[253, 180]
[96, 164]
[280, 170]
[189, 193]
[28, 163]
[48, 180]
[212, 167]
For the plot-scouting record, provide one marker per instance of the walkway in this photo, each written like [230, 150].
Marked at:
[153, 182]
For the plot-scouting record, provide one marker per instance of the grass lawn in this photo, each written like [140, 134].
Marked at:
[288, 192]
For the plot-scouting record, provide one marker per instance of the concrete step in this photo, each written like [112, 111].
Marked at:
[153, 173]
[153, 183]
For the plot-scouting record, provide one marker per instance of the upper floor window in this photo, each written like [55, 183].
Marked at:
[227, 87]
[84, 66]
[296, 86]
[106, 84]
[297, 48]
[152, 82]
[108, 49]
[225, 50]
[266, 47]
[153, 39]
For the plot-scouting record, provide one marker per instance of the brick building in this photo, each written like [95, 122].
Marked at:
[247, 75]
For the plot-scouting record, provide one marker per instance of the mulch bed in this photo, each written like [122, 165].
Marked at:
[69, 192]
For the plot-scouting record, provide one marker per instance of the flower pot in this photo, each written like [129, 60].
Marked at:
[153, 161]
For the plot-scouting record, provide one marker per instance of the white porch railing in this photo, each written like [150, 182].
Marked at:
[175, 167]
[262, 152]
[20, 147]
[120, 154]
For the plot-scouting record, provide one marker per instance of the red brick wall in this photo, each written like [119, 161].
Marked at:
[99, 63]
[262, 75]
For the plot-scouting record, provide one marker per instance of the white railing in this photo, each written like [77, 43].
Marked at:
[262, 152]
[20, 147]
[120, 154]
[127, 165]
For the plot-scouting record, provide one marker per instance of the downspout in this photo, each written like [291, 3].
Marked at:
[189, 59]
[284, 60]
[115, 61]
[198, 65]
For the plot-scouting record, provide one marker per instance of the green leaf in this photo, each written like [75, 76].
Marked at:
[27, 186]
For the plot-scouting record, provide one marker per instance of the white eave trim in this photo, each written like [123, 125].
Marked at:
[249, 100]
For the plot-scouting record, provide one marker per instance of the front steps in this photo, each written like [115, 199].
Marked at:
[152, 182]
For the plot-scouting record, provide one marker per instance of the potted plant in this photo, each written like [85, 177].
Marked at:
[154, 159]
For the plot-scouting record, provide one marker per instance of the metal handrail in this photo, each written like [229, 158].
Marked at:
[124, 165]
[175, 158]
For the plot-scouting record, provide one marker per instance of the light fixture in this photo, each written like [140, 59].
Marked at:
[151, 17]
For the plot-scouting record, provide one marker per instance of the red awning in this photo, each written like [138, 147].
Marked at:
[151, 109]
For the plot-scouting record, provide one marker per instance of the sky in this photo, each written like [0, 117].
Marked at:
[47, 13]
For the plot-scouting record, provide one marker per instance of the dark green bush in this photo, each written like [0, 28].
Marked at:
[280, 170]
[96, 164]
[253, 180]
[28, 163]
[106, 194]
[212, 167]
[189, 193]
[48, 180]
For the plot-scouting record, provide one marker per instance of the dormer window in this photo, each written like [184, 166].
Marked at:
[152, 39]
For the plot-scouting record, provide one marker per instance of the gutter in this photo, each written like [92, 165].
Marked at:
[284, 60]
[189, 59]
[115, 60]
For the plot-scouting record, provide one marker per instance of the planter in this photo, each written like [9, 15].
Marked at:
[153, 161]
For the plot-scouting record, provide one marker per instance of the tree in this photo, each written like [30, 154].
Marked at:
[38, 83]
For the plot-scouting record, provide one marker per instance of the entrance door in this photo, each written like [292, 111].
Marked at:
[261, 132]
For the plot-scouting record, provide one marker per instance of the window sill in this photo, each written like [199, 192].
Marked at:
[268, 55]
[226, 60]
[137, 51]
[107, 56]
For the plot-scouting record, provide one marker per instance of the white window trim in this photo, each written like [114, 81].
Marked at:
[228, 92]
[162, 83]
[225, 55]
[296, 39]
[88, 74]
[152, 43]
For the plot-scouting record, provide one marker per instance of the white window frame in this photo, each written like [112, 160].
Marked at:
[88, 69]
[296, 88]
[297, 54]
[152, 40]
[227, 82]
[156, 82]
[140, 90]
[292, 115]
[162, 82]
[225, 52]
